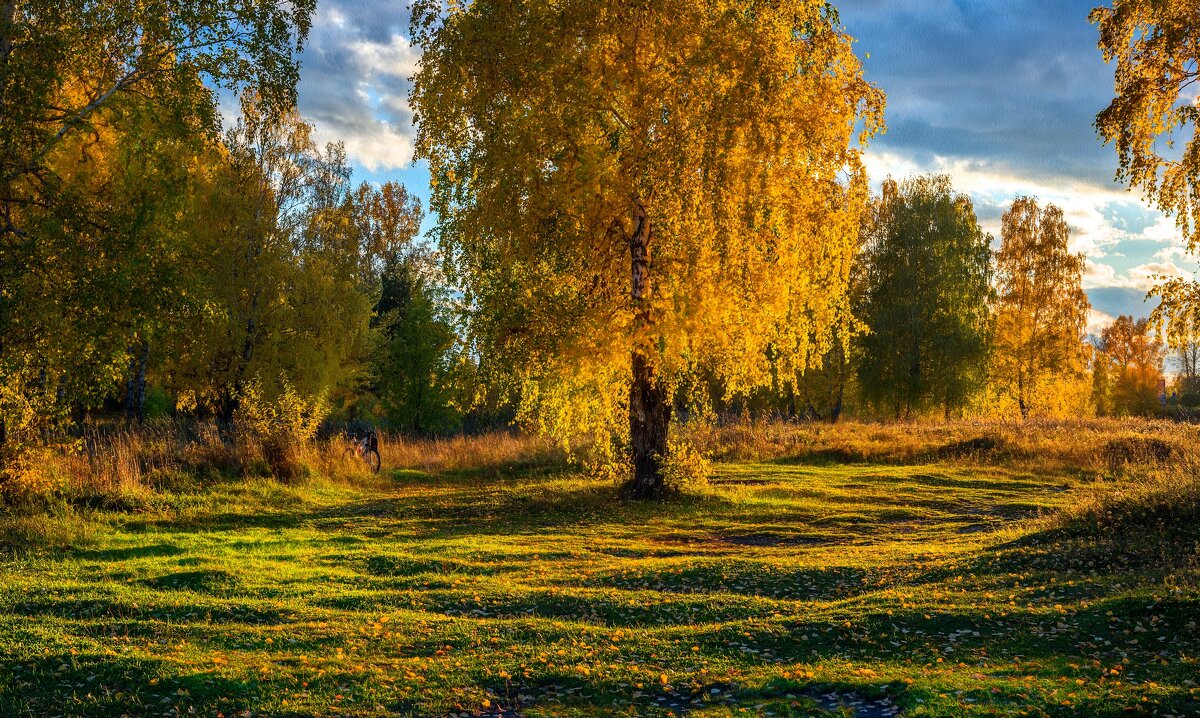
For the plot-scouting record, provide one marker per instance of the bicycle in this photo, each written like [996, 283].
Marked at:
[365, 448]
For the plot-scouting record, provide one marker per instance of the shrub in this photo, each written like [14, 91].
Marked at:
[687, 467]
[26, 472]
[280, 427]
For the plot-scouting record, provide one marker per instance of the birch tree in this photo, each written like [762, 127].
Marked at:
[628, 190]
[1041, 308]
[1154, 124]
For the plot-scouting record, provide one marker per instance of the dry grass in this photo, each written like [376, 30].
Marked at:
[1094, 444]
[1151, 500]
[497, 450]
[120, 467]
[127, 468]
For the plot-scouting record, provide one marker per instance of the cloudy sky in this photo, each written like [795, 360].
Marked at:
[1000, 94]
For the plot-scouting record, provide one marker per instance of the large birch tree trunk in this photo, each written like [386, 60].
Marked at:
[649, 405]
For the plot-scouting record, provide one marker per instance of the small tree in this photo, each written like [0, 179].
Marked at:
[1041, 308]
[1134, 359]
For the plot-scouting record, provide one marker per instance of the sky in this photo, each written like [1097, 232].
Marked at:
[999, 94]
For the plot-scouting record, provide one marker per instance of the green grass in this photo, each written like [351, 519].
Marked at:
[786, 590]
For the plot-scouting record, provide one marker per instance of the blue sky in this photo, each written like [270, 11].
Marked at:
[1000, 94]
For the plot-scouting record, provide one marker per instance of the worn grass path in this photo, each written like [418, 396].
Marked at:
[788, 590]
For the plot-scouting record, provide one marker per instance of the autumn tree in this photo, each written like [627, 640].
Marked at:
[1155, 125]
[628, 190]
[1156, 47]
[1041, 309]
[819, 392]
[1134, 366]
[925, 300]
[411, 381]
[90, 92]
[1185, 347]
[283, 298]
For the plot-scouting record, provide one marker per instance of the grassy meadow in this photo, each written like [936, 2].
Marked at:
[859, 570]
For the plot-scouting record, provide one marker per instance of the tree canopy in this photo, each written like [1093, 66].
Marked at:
[628, 192]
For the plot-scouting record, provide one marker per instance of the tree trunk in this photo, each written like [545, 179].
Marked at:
[649, 405]
[8, 14]
[135, 389]
[835, 411]
[1021, 404]
[649, 421]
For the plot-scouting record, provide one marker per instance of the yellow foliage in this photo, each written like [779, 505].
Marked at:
[290, 416]
[1041, 313]
[686, 467]
[26, 472]
[667, 184]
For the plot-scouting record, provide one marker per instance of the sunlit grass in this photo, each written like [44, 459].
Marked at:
[784, 589]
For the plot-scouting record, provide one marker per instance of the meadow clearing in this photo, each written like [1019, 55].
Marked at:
[864, 570]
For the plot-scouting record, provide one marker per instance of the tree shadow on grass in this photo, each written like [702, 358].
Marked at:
[220, 611]
[113, 686]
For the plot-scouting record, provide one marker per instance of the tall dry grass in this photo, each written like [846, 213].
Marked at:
[117, 466]
[495, 450]
[1092, 444]
[125, 467]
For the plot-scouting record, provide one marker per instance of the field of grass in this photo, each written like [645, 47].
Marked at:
[915, 588]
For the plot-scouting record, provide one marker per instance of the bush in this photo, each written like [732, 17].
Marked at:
[26, 472]
[280, 427]
[687, 467]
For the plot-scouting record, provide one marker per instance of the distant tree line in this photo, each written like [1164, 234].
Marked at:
[942, 324]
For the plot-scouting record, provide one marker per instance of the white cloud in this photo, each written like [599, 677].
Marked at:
[396, 58]
[1098, 275]
[355, 82]
[1145, 276]
[1083, 204]
[1097, 321]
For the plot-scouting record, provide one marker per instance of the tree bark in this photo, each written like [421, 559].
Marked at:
[649, 405]
[1024, 407]
[135, 389]
[8, 14]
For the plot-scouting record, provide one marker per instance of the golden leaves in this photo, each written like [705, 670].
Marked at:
[726, 128]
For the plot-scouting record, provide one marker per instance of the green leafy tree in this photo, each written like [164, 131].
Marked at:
[88, 89]
[415, 357]
[925, 299]
[628, 192]
[283, 300]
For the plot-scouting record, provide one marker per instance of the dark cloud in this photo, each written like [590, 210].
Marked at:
[1016, 83]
